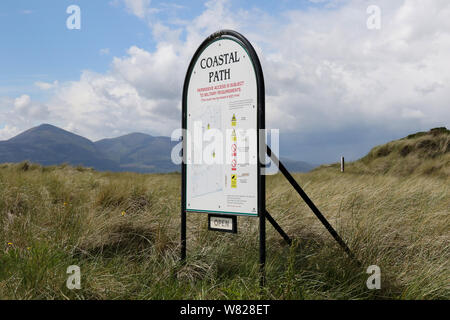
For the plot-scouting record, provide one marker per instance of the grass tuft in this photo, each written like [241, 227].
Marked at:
[122, 229]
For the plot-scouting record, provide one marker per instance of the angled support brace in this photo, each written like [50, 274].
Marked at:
[311, 205]
[278, 228]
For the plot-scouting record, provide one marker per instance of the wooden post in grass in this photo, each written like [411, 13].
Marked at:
[342, 164]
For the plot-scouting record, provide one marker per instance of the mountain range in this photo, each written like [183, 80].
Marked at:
[137, 152]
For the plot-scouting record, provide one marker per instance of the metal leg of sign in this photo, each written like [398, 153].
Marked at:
[262, 249]
[311, 205]
[183, 236]
[183, 202]
[278, 228]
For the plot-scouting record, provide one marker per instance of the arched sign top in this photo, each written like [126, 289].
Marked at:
[223, 97]
[245, 44]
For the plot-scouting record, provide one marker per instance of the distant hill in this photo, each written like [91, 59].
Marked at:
[136, 152]
[49, 145]
[422, 153]
[297, 166]
[139, 152]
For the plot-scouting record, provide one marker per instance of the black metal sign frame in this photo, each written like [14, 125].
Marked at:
[261, 183]
[260, 113]
[262, 150]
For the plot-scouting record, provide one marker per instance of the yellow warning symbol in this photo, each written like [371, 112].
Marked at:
[233, 181]
[233, 121]
[233, 135]
[208, 127]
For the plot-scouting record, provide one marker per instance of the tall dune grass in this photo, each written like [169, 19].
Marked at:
[122, 229]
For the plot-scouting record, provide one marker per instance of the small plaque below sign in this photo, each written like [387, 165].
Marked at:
[222, 223]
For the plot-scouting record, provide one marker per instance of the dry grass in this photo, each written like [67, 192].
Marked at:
[122, 229]
[424, 153]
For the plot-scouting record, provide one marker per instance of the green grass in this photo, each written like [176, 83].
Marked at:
[423, 153]
[122, 229]
[392, 207]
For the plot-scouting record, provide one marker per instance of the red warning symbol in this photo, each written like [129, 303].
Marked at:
[233, 150]
[233, 165]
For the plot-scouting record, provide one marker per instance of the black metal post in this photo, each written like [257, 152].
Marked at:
[262, 248]
[183, 202]
[311, 205]
[183, 236]
[278, 228]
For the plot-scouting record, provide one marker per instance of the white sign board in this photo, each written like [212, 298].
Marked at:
[221, 104]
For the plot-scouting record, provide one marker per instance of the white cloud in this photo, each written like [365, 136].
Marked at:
[8, 131]
[412, 113]
[25, 108]
[46, 85]
[20, 113]
[104, 51]
[101, 106]
[324, 71]
[22, 102]
[140, 8]
[141, 91]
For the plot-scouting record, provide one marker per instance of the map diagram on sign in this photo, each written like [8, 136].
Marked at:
[209, 178]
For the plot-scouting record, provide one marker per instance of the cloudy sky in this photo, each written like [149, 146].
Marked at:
[338, 79]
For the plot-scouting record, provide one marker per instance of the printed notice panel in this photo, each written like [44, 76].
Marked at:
[222, 97]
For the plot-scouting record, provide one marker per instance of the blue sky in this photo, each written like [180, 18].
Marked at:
[40, 47]
[333, 85]
[37, 46]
